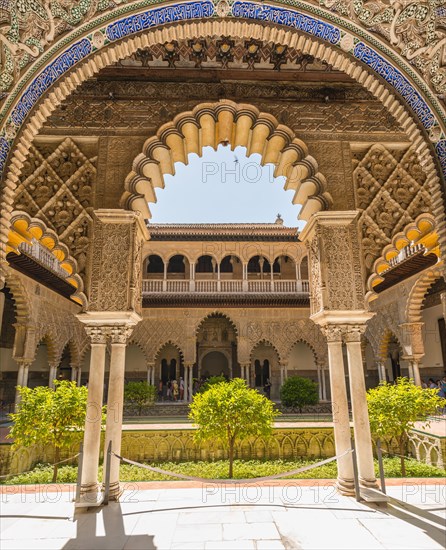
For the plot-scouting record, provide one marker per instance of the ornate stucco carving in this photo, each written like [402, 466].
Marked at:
[428, 119]
[348, 110]
[336, 277]
[416, 30]
[57, 186]
[115, 281]
[412, 29]
[391, 190]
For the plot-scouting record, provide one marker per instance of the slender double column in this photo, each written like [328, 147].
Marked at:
[92, 434]
[244, 371]
[115, 403]
[361, 424]
[341, 420]
[190, 383]
[22, 378]
[151, 374]
[381, 366]
[52, 375]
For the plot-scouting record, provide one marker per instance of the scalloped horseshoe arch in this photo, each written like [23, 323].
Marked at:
[267, 343]
[418, 292]
[91, 53]
[226, 122]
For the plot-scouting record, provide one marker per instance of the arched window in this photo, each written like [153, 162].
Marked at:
[177, 264]
[284, 267]
[154, 265]
[178, 267]
[227, 264]
[205, 264]
[231, 267]
[258, 265]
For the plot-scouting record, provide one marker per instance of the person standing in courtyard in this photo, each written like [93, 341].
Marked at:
[175, 390]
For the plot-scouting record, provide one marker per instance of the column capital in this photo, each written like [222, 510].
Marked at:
[97, 335]
[333, 333]
[353, 333]
[23, 361]
[120, 334]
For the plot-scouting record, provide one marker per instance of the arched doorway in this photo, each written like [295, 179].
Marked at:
[215, 363]
[217, 347]
[266, 366]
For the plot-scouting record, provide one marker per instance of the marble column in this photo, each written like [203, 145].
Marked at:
[79, 376]
[324, 385]
[52, 374]
[341, 420]
[443, 302]
[115, 403]
[361, 424]
[186, 383]
[22, 377]
[414, 370]
[244, 371]
[319, 381]
[381, 366]
[92, 434]
[191, 381]
[75, 374]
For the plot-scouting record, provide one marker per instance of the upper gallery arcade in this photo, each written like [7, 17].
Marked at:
[100, 103]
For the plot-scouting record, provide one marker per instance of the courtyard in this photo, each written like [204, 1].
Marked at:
[184, 515]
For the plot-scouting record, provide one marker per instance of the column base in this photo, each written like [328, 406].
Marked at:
[90, 496]
[368, 483]
[92, 488]
[345, 486]
[115, 491]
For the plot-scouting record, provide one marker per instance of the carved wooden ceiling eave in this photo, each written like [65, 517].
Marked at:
[422, 231]
[25, 229]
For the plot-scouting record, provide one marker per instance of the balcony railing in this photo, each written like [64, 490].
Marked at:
[233, 286]
[44, 257]
[404, 254]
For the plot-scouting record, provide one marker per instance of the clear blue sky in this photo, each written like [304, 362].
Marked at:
[217, 189]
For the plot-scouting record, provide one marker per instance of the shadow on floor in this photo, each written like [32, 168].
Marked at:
[111, 537]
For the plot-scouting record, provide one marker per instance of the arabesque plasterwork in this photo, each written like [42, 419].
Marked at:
[57, 186]
[416, 30]
[391, 191]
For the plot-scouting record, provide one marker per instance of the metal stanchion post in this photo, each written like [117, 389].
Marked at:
[79, 473]
[107, 473]
[381, 465]
[355, 472]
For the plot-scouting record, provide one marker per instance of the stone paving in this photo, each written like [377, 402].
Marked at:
[287, 516]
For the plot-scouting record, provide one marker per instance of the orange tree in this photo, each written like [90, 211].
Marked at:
[394, 409]
[49, 416]
[231, 412]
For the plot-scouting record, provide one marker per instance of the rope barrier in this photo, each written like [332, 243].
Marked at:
[232, 481]
[27, 471]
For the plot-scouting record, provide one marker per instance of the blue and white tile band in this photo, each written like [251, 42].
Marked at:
[187, 11]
